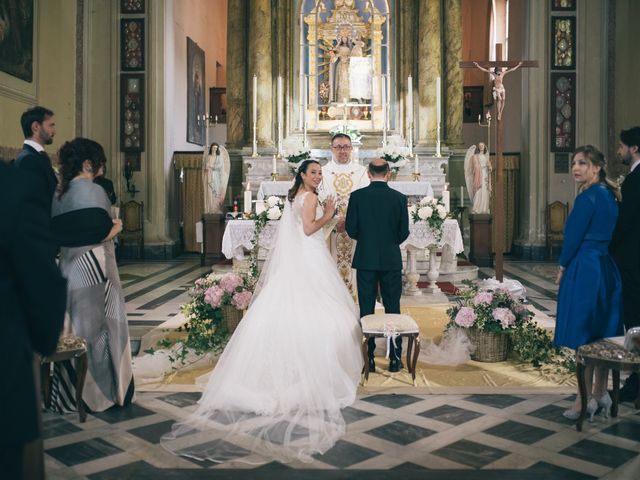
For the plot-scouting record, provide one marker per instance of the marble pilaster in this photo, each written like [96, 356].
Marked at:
[429, 67]
[453, 78]
[260, 63]
[237, 91]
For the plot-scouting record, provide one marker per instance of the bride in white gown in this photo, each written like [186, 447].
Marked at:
[294, 361]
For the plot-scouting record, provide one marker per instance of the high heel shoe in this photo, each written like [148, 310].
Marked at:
[605, 402]
[572, 414]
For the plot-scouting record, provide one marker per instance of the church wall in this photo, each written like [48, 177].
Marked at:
[53, 83]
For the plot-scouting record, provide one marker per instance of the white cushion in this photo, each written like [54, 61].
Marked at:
[377, 322]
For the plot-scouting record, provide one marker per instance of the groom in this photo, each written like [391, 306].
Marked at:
[377, 217]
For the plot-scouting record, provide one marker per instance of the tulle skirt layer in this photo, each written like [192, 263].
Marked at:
[292, 364]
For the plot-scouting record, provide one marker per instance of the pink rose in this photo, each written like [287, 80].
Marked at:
[505, 316]
[466, 317]
[213, 296]
[241, 300]
[230, 281]
[483, 297]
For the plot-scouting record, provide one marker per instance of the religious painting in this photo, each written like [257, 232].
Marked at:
[563, 5]
[132, 112]
[132, 44]
[16, 38]
[563, 115]
[132, 6]
[472, 106]
[218, 104]
[563, 45]
[196, 122]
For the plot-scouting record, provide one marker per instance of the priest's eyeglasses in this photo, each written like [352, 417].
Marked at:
[342, 147]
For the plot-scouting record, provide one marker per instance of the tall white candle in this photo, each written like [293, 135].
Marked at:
[410, 102]
[255, 98]
[438, 101]
[280, 116]
[304, 112]
[384, 106]
[446, 198]
[274, 165]
[462, 196]
[247, 199]
[260, 207]
[416, 166]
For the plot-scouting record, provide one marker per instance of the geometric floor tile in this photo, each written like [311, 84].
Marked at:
[451, 415]
[344, 454]
[351, 414]
[599, 453]
[53, 425]
[121, 414]
[625, 429]
[392, 401]
[82, 452]
[469, 453]
[519, 432]
[182, 399]
[547, 470]
[152, 433]
[495, 401]
[552, 413]
[400, 432]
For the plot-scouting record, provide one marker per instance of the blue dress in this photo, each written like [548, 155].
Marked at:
[590, 296]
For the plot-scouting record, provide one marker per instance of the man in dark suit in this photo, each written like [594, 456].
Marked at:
[625, 244]
[32, 306]
[378, 219]
[39, 127]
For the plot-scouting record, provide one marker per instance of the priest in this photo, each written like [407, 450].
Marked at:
[340, 177]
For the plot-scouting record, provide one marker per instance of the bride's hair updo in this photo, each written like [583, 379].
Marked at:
[298, 180]
[73, 154]
[596, 157]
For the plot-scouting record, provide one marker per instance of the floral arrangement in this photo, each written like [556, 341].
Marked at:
[274, 207]
[432, 211]
[395, 155]
[297, 156]
[488, 310]
[353, 132]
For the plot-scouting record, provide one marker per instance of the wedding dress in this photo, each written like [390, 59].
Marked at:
[292, 364]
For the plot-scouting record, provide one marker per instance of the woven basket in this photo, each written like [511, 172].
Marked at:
[232, 317]
[490, 346]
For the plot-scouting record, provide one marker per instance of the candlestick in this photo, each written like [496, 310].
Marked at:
[462, 196]
[446, 198]
[410, 114]
[255, 115]
[280, 115]
[384, 112]
[416, 166]
[247, 199]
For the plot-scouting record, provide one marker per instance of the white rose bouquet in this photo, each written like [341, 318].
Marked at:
[431, 211]
[394, 154]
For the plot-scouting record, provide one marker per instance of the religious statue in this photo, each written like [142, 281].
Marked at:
[216, 167]
[499, 92]
[339, 70]
[477, 174]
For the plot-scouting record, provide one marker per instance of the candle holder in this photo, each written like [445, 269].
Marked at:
[438, 152]
[416, 176]
[274, 176]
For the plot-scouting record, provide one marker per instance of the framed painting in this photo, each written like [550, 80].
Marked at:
[16, 38]
[472, 107]
[196, 84]
[132, 112]
[132, 44]
[563, 114]
[563, 43]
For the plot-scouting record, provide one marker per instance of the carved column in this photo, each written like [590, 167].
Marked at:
[260, 54]
[237, 93]
[452, 116]
[429, 67]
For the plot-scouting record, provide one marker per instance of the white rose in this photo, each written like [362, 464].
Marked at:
[442, 212]
[425, 212]
[272, 201]
[426, 200]
[413, 209]
[274, 213]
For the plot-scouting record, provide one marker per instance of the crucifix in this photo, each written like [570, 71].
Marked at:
[500, 69]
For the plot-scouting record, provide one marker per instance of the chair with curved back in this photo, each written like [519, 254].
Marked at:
[556, 217]
[133, 225]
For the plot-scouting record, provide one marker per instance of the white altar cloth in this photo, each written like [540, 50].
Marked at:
[411, 189]
[239, 234]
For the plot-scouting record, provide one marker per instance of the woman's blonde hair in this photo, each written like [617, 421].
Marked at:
[596, 157]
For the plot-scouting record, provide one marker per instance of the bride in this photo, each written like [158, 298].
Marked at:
[294, 361]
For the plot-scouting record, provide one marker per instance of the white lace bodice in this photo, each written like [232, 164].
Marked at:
[297, 206]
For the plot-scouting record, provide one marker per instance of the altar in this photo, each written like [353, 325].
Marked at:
[239, 236]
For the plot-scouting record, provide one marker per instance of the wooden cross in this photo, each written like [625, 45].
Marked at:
[499, 95]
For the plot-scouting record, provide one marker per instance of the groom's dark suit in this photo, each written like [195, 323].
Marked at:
[39, 165]
[378, 219]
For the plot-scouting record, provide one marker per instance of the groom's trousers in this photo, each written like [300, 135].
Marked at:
[389, 283]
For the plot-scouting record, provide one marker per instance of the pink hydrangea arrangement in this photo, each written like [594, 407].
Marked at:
[488, 310]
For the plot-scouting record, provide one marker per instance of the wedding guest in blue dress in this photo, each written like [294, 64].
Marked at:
[590, 295]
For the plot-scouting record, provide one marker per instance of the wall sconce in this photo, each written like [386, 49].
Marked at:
[128, 175]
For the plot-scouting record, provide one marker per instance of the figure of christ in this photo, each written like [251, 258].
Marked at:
[499, 92]
[340, 177]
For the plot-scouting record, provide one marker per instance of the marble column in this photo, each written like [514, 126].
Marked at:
[429, 67]
[453, 78]
[260, 55]
[237, 92]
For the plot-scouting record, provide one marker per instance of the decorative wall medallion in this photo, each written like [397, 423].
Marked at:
[132, 44]
[132, 112]
[563, 49]
[132, 6]
[563, 112]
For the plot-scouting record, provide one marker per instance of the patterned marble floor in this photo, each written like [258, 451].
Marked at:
[388, 436]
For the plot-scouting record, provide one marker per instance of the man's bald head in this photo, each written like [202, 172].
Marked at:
[378, 168]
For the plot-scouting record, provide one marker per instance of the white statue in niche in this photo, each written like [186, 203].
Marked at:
[477, 174]
[216, 167]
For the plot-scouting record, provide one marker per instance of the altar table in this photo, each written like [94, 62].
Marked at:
[410, 189]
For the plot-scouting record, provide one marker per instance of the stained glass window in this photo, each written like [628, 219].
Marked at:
[132, 44]
[563, 112]
[563, 42]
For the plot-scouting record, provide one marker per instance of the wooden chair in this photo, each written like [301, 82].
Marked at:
[556, 217]
[133, 225]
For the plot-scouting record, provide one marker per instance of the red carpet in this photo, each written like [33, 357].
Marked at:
[447, 287]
